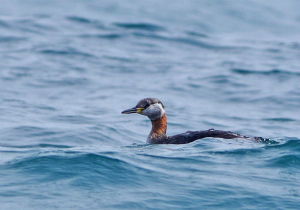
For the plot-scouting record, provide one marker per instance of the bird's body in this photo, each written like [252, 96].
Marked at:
[154, 109]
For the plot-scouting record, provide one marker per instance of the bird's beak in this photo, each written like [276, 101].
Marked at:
[133, 110]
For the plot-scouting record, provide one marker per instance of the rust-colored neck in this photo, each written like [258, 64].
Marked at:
[159, 129]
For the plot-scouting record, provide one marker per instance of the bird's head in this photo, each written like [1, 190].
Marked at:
[150, 107]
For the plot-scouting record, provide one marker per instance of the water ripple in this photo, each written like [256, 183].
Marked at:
[140, 26]
[267, 73]
[109, 36]
[67, 52]
[13, 39]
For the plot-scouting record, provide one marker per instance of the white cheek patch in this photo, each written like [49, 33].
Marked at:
[154, 111]
[158, 108]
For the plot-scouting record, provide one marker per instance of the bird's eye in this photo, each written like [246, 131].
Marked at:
[146, 106]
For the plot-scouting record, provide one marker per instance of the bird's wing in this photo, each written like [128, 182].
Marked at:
[191, 136]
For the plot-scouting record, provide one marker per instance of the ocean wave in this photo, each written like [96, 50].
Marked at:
[286, 161]
[68, 68]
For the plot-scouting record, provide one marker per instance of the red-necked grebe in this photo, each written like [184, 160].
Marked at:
[154, 110]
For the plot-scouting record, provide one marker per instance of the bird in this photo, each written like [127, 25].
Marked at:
[155, 111]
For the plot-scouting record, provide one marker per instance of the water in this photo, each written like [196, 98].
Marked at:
[68, 69]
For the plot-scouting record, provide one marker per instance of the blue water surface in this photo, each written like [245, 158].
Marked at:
[68, 68]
